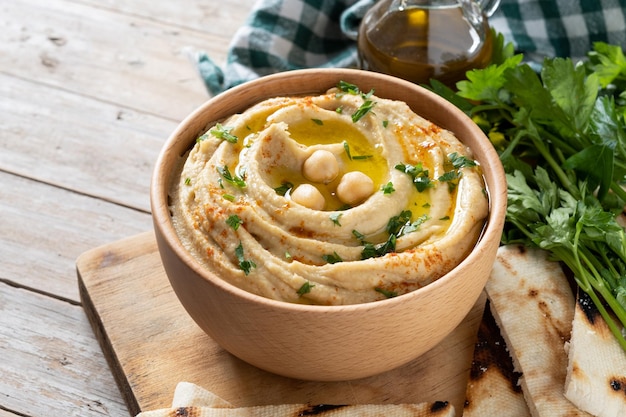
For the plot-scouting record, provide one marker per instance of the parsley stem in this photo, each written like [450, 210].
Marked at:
[556, 167]
[592, 280]
[608, 319]
[618, 190]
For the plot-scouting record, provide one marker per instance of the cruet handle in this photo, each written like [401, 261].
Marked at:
[488, 6]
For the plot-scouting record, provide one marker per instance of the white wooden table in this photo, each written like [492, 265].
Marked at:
[89, 91]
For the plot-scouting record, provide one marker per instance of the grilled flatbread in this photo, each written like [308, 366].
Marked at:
[202, 403]
[596, 372]
[493, 382]
[533, 304]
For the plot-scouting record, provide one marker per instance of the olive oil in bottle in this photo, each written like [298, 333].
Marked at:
[424, 40]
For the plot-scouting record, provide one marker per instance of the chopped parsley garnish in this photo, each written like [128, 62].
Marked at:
[450, 177]
[386, 293]
[365, 108]
[305, 288]
[245, 265]
[187, 181]
[385, 123]
[367, 105]
[332, 258]
[318, 122]
[346, 147]
[335, 218]
[346, 87]
[458, 162]
[387, 188]
[360, 236]
[396, 223]
[413, 226]
[283, 188]
[222, 132]
[232, 179]
[461, 161]
[370, 251]
[397, 226]
[234, 221]
[418, 174]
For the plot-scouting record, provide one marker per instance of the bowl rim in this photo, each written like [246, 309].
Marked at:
[162, 220]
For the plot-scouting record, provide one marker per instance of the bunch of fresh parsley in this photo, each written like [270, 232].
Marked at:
[561, 135]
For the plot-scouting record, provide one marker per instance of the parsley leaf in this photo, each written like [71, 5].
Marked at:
[365, 108]
[245, 265]
[346, 148]
[367, 105]
[561, 136]
[284, 188]
[234, 221]
[387, 188]
[386, 293]
[231, 179]
[222, 132]
[305, 288]
[418, 174]
[397, 226]
[461, 161]
[335, 218]
[333, 258]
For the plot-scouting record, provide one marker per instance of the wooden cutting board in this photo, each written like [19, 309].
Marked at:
[151, 344]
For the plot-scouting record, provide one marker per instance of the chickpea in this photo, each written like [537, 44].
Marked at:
[354, 187]
[321, 167]
[308, 196]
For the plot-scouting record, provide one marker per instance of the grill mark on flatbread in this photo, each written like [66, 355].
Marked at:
[533, 305]
[440, 406]
[596, 377]
[318, 410]
[618, 384]
[587, 307]
[493, 382]
[431, 409]
[490, 352]
[185, 412]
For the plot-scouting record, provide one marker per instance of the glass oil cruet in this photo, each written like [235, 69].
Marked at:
[422, 39]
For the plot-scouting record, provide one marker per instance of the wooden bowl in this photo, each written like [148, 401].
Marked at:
[326, 343]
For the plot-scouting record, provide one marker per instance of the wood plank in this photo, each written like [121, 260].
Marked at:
[206, 16]
[51, 363]
[101, 54]
[44, 230]
[152, 344]
[79, 143]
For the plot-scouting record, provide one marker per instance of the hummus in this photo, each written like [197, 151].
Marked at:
[340, 198]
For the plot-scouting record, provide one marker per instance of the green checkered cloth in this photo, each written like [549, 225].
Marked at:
[563, 28]
[283, 35]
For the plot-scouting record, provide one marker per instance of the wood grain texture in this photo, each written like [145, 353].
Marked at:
[42, 235]
[112, 57]
[152, 344]
[51, 364]
[95, 148]
[214, 17]
[89, 90]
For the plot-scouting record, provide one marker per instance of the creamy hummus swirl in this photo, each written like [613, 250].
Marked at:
[233, 209]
